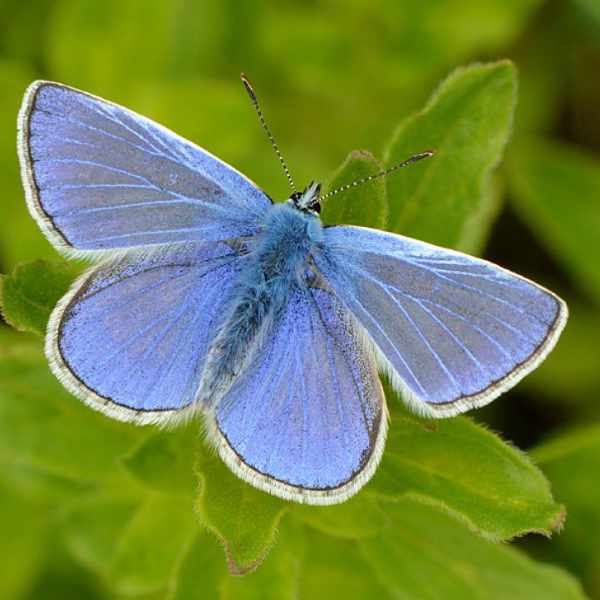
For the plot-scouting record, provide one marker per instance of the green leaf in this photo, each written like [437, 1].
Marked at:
[358, 517]
[590, 9]
[427, 554]
[541, 90]
[555, 189]
[571, 461]
[62, 578]
[164, 461]
[478, 226]
[364, 205]
[164, 522]
[22, 543]
[278, 577]
[31, 291]
[346, 93]
[37, 483]
[334, 568]
[468, 472]
[201, 571]
[43, 427]
[243, 518]
[134, 541]
[446, 199]
[92, 526]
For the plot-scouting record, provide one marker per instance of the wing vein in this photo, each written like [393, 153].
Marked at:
[92, 163]
[384, 334]
[422, 336]
[97, 130]
[103, 111]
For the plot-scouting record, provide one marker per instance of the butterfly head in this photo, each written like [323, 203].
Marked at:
[307, 200]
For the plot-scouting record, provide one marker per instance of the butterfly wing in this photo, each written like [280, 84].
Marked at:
[306, 420]
[130, 339]
[453, 331]
[100, 177]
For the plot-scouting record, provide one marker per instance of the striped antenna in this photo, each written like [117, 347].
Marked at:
[357, 182]
[264, 125]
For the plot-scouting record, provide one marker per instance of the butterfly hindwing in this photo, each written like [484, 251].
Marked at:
[453, 331]
[306, 420]
[130, 339]
[100, 177]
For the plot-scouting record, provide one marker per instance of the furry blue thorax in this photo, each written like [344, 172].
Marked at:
[277, 263]
[287, 236]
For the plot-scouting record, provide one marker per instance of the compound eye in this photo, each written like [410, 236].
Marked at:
[316, 207]
[296, 196]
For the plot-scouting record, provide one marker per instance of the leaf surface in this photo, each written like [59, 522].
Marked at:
[364, 205]
[468, 472]
[448, 199]
[31, 291]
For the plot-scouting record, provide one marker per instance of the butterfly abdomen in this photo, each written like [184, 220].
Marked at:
[277, 264]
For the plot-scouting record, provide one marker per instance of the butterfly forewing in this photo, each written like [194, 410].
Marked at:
[453, 331]
[99, 177]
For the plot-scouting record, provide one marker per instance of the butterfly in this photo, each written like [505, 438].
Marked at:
[206, 297]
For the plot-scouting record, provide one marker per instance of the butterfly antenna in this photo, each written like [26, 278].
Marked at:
[408, 161]
[264, 125]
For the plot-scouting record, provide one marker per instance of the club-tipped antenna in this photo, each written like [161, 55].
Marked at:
[264, 125]
[357, 182]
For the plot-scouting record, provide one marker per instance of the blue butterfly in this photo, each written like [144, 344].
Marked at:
[207, 298]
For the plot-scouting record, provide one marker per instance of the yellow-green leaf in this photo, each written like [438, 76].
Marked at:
[243, 518]
[469, 473]
[447, 199]
[164, 461]
[365, 204]
[571, 461]
[426, 554]
[555, 189]
[30, 292]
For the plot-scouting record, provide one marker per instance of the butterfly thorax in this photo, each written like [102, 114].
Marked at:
[275, 267]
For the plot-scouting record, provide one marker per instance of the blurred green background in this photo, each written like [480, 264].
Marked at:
[332, 77]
